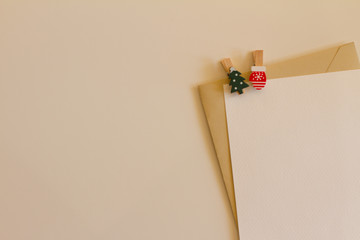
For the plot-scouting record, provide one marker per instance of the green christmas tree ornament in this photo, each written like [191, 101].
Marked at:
[236, 81]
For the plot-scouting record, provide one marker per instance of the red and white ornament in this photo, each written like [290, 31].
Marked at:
[258, 77]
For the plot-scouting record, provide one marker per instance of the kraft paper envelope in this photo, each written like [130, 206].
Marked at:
[340, 58]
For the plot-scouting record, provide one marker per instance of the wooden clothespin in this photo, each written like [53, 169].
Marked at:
[236, 80]
[258, 76]
[258, 57]
[227, 64]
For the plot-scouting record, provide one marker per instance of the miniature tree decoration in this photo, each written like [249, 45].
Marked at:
[236, 81]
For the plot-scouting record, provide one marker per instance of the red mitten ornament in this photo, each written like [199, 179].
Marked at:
[258, 77]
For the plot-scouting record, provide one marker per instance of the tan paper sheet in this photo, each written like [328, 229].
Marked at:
[344, 57]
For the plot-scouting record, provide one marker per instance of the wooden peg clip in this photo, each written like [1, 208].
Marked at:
[227, 64]
[258, 76]
[258, 57]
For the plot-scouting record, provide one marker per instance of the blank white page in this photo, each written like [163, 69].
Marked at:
[295, 156]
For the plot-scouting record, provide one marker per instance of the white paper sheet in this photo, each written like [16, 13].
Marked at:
[295, 155]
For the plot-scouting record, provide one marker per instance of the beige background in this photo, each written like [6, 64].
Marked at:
[102, 134]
